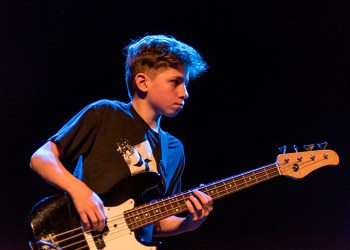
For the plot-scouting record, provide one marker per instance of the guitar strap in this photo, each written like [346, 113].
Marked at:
[163, 147]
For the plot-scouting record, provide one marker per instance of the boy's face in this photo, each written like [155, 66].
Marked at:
[167, 91]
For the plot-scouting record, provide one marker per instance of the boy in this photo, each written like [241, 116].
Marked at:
[109, 141]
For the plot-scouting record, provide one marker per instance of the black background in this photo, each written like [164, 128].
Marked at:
[279, 75]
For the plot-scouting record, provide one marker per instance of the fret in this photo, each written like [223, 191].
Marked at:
[250, 179]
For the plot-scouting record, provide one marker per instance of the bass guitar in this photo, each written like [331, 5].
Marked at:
[55, 224]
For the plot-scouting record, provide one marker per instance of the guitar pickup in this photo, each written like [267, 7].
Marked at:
[98, 238]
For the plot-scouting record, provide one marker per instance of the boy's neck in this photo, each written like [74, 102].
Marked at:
[146, 113]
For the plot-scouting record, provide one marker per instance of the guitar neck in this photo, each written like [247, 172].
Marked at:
[151, 212]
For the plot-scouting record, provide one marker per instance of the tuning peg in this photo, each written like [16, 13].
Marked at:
[283, 149]
[322, 145]
[295, 148]
[309, 147]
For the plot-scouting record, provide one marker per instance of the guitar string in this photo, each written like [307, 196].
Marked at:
[184, 196]
[87, 241]
[183, 205]
[177, 201]
[256, 174]
[259, 175]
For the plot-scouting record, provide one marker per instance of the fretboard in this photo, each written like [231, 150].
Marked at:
[151, 212]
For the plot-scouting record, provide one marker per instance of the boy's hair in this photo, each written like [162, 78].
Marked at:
[160, 51]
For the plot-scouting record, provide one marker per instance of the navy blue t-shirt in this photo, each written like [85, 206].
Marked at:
[107, 142]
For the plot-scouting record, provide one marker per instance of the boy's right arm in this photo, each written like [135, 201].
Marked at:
[46, 162]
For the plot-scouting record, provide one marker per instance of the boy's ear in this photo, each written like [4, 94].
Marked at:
[141, 82]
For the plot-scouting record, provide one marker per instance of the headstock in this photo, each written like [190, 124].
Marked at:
[299, 164]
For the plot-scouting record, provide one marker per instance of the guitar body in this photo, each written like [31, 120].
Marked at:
[55, 223]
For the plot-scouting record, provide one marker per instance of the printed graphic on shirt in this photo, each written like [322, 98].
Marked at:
[139, 157]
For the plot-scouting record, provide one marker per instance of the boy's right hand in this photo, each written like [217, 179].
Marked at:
[90, 208]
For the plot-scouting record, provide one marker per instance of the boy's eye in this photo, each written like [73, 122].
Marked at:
[176, 82]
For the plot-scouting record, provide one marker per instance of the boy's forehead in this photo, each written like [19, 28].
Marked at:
[176, 71]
